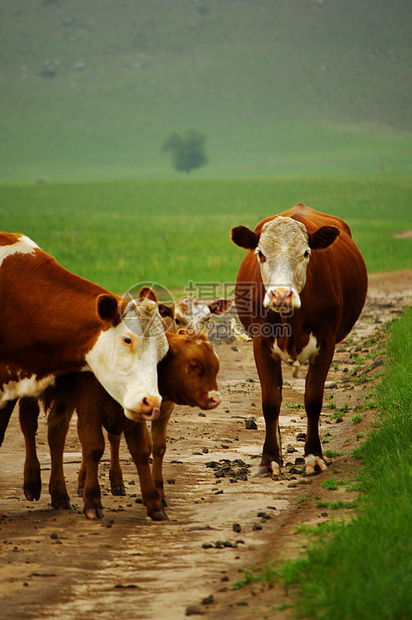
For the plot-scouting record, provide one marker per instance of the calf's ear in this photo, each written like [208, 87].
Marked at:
[165, 310]
[147, 293]
[220, 306]
[323, 237]
[108, 309]
[244, 237]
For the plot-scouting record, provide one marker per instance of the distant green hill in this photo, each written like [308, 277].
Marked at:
[93, 88]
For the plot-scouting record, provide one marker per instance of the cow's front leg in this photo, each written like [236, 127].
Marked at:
[140, 449]
[29, 414]
[270, 375]
[315, 384]
[159, 433]
[5, 414]
[58, 422]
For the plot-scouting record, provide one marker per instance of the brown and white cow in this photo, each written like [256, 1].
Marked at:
[187, 376]
[189, 313]
[299, 291]
[54, 322]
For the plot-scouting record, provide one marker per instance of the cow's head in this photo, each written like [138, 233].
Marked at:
[283, 248]
[187, 375]
[125, 356]
[188, 313]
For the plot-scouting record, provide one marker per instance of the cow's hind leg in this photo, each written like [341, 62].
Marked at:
[315, 383]
[115, 472]
[29, 414]
[159, 431]
[270, 375]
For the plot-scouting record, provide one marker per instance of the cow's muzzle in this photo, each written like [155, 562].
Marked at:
[282, 299]
[145, 407]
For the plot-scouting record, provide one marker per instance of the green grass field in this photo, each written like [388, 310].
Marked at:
[118, 234]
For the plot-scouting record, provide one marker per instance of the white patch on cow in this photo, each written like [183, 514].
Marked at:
[192, 314]
[128, 372]
[312, 461]
[308, 352]
[283, 254]
[24, 245]
[295, 302]
[29, 386]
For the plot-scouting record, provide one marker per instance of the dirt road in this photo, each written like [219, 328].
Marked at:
[57, 564]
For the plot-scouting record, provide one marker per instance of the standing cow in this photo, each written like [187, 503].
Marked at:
[299, 291]
[53, 322]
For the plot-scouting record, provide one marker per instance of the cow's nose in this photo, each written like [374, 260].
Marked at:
[146, 406]
[214, 400]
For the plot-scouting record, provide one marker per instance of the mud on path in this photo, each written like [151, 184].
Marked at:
[57, 564]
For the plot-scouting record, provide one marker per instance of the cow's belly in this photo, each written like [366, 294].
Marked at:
[29, 386]
[308, 352]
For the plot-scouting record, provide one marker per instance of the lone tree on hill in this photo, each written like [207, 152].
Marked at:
[188, 151]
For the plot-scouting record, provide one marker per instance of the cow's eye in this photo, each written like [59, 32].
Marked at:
[261, 256]
[195, 367]
[306, 254]
[127, 340]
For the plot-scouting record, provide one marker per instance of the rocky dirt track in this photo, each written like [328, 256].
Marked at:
[223, 518]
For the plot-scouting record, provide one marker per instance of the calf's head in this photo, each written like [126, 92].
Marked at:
[125, 355]
[188, 313]
[283, 248]
[187, 375]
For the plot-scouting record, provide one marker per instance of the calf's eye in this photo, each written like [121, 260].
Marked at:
[261, 256]
[127, 340]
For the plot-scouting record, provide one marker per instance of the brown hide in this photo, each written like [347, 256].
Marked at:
[49, 316]
[331, 301]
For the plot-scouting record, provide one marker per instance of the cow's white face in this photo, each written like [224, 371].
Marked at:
[283, 249]
[193, 314]
[124, 359]
[283, 253]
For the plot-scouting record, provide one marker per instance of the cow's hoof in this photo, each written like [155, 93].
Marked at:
[118, 490]
[159, 515]
[61, 503]
[269, 470]
[94, 513]
[31, 495]
[314, 464]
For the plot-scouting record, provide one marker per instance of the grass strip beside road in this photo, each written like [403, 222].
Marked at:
[363, 568]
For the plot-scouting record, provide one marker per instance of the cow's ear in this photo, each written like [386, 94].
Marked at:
[244, 237]
[147, 293]
[220, 306]
[108, 309]
[323, 237]
[165, 310]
